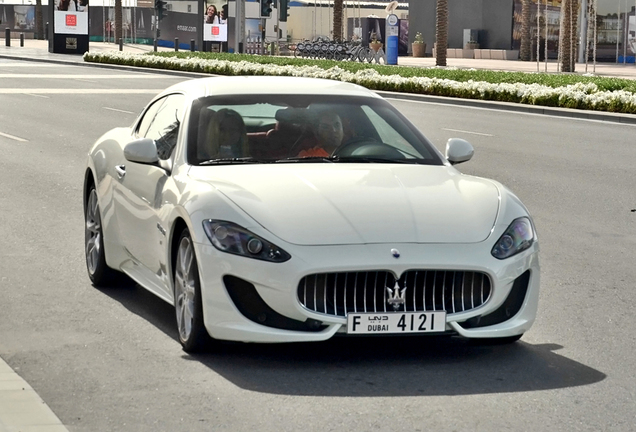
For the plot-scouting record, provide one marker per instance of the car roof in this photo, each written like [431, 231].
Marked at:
[264, 85]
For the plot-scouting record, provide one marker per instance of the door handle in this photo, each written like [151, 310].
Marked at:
[121, 171]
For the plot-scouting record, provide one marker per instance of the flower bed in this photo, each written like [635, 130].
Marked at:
[580, 95]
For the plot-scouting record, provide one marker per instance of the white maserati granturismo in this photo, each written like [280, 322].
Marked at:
[280, 209]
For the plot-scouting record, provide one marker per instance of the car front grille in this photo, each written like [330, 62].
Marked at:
[338, 294]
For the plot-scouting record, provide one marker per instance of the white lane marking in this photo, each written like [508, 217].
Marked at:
[85, 80]
[118, 110]
[21, 408]
[30, 65]
[467, 132]
[36, 95]
[78, 91]
[13, 137]
[82, 76]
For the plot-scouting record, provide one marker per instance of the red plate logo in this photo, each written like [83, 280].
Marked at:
[215, 31]
[71, 20]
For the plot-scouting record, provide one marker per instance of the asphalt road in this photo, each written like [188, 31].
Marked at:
[109, 360]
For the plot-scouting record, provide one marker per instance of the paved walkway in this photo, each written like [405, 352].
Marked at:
[21, 409]
[38, 50]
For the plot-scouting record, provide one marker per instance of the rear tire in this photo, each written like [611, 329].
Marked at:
[188, 302]
[98, 271]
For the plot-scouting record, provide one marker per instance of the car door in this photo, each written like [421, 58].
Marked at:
[138, 199]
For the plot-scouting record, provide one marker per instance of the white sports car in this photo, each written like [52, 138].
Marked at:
[279, 209]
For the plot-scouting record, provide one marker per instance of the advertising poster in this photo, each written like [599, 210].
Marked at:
[215, 32]
[71, 17]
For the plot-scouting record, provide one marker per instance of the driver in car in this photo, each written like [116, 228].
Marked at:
[328, 136]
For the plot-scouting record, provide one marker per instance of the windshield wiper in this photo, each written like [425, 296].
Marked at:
[313, 159]
[228, 161]
[366, 159]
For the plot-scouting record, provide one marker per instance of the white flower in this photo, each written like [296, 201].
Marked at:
[579, 95]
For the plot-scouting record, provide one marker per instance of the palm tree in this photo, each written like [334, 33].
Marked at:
[337, 20]
[569, 38]
[118, 23]
[441, 32]
[39, 20]
[525, 50]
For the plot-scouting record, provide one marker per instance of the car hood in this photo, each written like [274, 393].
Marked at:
[330, 204]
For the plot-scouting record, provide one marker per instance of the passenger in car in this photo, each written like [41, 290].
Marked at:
[328, 135]
[227, 136]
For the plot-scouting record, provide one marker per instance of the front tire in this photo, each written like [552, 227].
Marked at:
[98, 271]
[187, 298]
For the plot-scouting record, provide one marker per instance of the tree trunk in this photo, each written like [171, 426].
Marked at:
[337, 20]
[441, 32]
[526, 46]
[569, 39]
[39, 20]
[118, 19]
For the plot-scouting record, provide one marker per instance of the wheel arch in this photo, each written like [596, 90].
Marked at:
[178, 226]
[89, 180]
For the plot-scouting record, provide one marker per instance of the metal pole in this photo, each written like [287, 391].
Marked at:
[545, 49]
[192, 45]
[238, 25]
[7, 37]
[595, 27]
[538, 35]
[176, 44]
[121, 44]
[156, 41]
[584, 20]
[618, 28]
[625, 33]
[21, 39]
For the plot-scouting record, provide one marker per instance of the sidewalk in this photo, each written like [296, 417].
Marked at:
[38, 50]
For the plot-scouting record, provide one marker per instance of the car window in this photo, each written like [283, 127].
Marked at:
[164, 127]
[389, 134]
[284, 128]
[148, 117]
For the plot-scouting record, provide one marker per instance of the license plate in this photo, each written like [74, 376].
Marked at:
[396, 322]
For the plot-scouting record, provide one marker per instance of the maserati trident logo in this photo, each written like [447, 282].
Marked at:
[396, 296]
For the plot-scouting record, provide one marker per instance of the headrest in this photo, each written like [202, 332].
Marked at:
[292, 115]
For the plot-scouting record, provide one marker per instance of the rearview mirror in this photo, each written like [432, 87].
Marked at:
[458, 151]
[142, 150]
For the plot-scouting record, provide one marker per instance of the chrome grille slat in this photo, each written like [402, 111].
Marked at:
[434, 283]
[324, 295]
[453, 292]
[337, 294]
[335, 300]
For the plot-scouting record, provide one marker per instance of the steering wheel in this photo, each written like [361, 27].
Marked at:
[367, 147]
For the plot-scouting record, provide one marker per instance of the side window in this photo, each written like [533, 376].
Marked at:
[149, 116]
[164, 127]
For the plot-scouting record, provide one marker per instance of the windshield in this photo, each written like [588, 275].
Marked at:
[302, 128]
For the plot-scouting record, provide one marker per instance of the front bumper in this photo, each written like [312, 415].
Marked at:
[276, 284]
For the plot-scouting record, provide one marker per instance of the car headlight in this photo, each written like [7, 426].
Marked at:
[518, 237]
[231, 238]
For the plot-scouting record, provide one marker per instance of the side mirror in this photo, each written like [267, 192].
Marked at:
[142, 150]
[458, 151]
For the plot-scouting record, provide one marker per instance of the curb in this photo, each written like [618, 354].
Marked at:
[475, 103]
